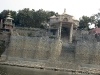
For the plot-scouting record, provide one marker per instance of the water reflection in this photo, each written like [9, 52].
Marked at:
[12, 70]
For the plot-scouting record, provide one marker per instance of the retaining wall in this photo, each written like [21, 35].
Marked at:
[87, 50]
[34, 47]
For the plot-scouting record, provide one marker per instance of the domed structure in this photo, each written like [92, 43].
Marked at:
[64, 20]
[53, 16]
[74, 18]
[8, 22]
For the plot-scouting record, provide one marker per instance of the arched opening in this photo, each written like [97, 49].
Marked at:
[65, 35]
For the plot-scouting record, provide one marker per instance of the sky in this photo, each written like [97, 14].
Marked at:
[76, 8]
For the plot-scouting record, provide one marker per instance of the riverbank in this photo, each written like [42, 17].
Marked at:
[54, 66]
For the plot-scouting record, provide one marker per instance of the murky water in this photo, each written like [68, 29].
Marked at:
[12, 70]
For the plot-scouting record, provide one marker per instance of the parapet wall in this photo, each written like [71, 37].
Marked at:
[34, 47]
[33, 32]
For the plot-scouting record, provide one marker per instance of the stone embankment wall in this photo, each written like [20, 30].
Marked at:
[34, 47]
[87, 48]
[4, 36]
[33, 32]
[83, 53]
[4, 40]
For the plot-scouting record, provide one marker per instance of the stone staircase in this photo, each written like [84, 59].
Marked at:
[67, 53]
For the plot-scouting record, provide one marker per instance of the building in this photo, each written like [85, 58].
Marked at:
[63, 20]
[8, 22]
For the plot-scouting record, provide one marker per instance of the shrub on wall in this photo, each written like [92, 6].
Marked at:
[52, 37]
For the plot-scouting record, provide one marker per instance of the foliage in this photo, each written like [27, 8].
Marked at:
[27, 17]
[84, 22]
[97, 16]
[52, 37]
[98, 23]
[94, 19]
[30, 34]
[42, 27]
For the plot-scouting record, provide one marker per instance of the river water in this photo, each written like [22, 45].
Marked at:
[13, 70]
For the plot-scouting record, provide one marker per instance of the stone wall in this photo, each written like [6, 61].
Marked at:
[87, 52]
[4, 36]
[87, 49]
[34, 47]
[4, 42]
[33, 32]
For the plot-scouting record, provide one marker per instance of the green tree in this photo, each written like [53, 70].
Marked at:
[40, 16]
[3, 14]
[27, 17]
[97, 17]
[83, 23]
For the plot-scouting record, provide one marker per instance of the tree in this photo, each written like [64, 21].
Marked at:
[27, 17]
[40, 16]
[83, 23]
[3, 14]
[97, 17]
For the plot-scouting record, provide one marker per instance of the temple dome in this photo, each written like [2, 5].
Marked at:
[9, 16]
[74, 18]
[53, 16]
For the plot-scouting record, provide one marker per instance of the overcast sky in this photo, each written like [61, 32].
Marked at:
[77, 8]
